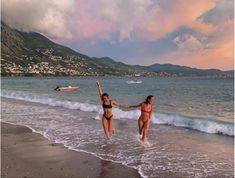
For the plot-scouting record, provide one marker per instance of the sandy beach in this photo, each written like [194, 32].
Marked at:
[28, 154]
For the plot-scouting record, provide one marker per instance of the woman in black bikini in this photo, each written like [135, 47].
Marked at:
[146, 113]
[107, 119]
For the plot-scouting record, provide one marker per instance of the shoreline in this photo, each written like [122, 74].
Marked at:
[168, 155]
[196, 126]
[25, 153]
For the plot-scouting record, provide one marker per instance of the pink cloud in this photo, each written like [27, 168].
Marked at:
[218, 53]
[210, 46]
[100, 19]
[142, 20]
[87, 25]
[180, 13]
[90, 28]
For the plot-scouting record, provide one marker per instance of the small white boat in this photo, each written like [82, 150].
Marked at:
[134, 82]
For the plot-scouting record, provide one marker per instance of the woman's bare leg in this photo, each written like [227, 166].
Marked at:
[140, 124]
[105, 126]
[110, 126]
[145, 130]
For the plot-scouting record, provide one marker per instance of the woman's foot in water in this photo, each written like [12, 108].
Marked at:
[143, 140]
[107, 135]
[112, 131]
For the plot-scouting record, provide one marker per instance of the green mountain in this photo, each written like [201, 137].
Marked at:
[184, 70]
[32, 54]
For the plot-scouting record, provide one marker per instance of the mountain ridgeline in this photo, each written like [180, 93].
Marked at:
[32, 54]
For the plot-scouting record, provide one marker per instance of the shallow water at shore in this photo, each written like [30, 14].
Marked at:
[192, 97]
[200, 104]
[170, 150]
[28, 154]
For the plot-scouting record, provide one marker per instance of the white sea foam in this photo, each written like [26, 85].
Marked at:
[200, 124]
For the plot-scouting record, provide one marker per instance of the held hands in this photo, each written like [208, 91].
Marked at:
[126, 106]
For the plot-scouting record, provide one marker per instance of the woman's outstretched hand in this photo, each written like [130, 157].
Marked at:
[135, 106]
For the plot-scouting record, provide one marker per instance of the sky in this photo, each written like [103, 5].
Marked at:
[195, 33]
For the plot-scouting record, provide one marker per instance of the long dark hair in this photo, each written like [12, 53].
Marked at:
[148, 99]
[105, 94]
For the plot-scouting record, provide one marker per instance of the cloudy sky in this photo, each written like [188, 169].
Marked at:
[195, 33]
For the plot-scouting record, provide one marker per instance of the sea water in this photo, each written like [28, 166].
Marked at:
[191, 133]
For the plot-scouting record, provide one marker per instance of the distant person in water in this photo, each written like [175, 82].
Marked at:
[146, 113]
[107, 119]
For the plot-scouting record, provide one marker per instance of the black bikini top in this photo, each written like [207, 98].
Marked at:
[107, 105]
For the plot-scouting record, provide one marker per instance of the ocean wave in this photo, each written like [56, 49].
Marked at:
[199, 124]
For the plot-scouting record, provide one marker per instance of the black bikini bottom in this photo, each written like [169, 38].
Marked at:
[108, 118]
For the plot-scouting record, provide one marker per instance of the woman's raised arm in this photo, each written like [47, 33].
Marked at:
[99, 88]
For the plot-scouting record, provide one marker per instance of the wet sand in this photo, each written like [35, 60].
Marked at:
[28, 154]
